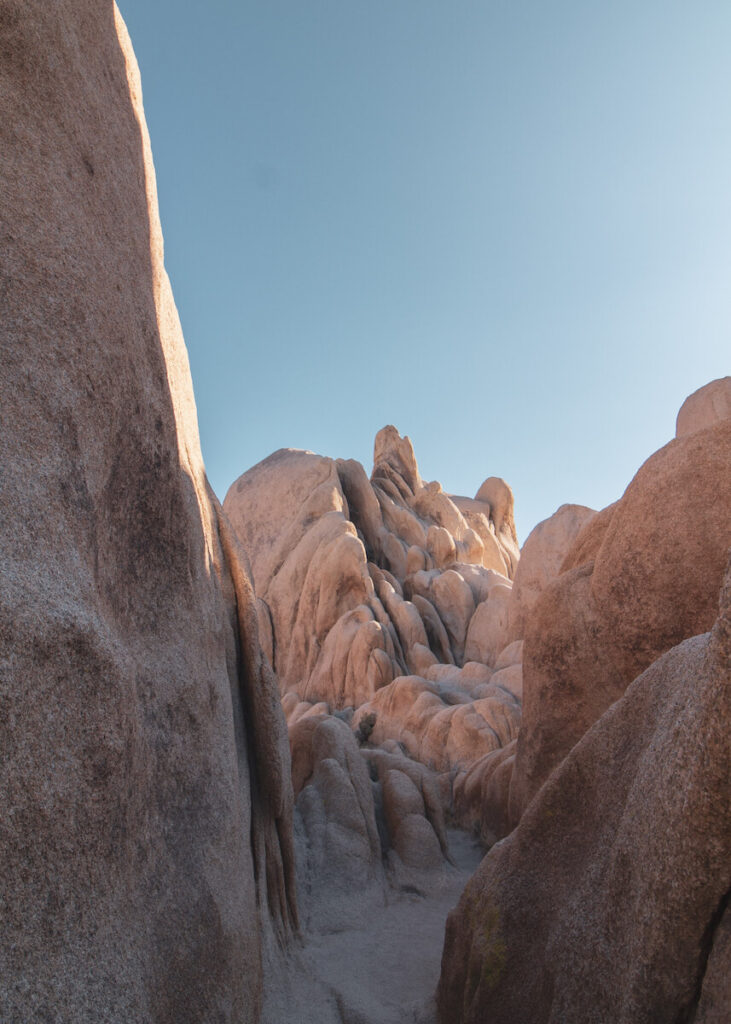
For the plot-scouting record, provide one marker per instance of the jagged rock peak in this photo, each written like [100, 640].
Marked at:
[391, 452]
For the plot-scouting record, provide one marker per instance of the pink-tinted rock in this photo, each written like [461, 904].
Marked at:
[481, 794]
[607, 902]
[540, 560]
[488, 627]
[705, 407]
[510, 655]
[588, 540]
[339, 851]
[438, 724]
[660, 559]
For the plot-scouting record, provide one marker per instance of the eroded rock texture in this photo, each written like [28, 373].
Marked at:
[138, 851]
[361, 581]
[608, 902]
[382, 603]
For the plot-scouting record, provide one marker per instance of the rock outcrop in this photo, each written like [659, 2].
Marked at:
[360, 581]
[144, 777]
[608, 902]
[364, 820]
[639, 578]
[385, 597]
[481, 791]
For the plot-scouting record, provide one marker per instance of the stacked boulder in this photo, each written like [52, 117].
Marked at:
[382, 601]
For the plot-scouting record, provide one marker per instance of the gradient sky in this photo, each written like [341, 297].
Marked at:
[504, 227]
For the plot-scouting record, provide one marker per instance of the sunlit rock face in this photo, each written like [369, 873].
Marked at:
[386, 599]
[609, 902]
[133, 693]
[361, 581]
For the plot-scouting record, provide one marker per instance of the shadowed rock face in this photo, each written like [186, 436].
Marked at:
[136, 845]
[608, 901]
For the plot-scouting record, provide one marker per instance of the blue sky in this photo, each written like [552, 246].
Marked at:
[504, 227]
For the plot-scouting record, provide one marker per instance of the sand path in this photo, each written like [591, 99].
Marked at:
[383, 970]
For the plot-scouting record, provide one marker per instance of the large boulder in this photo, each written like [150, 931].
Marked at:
[138, 852]
[607, 902]
[540, 561]
[640, 578]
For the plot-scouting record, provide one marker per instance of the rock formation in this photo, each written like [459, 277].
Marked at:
[708, 405]
[164, 793]
[481, 791]
[609, 901]
[541, 558]
[639, 578]
[361, 581]
[385, 597]
[144, 779]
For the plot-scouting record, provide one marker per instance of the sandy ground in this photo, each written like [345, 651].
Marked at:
[382, 970]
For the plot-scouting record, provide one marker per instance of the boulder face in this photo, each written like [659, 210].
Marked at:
[705, 407]
[639, 579]
[133, 691]
[608, 901]
[540, 561]
[364, 580]
[385, 598]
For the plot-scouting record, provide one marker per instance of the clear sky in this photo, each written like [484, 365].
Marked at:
[504, 227]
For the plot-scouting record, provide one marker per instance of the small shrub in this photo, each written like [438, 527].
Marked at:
[365, 728]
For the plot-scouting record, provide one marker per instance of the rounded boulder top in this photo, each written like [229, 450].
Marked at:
[705, 407]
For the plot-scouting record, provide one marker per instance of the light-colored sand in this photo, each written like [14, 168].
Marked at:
[382, 970]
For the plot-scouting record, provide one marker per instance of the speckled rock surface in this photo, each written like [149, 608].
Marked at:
[607, 902]
[645, 576]
[132, 690]
[380, 597]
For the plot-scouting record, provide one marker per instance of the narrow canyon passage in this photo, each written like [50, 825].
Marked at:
[380, 967]
[247, 749]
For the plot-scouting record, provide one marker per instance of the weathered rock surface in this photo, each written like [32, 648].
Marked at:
[607, 902]
[642, 578]
[385, 596]
[443, 725]
[364, 820]
[540, 561]
[135, 840]
[708, 405]
[355, 574]
[340, 873]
